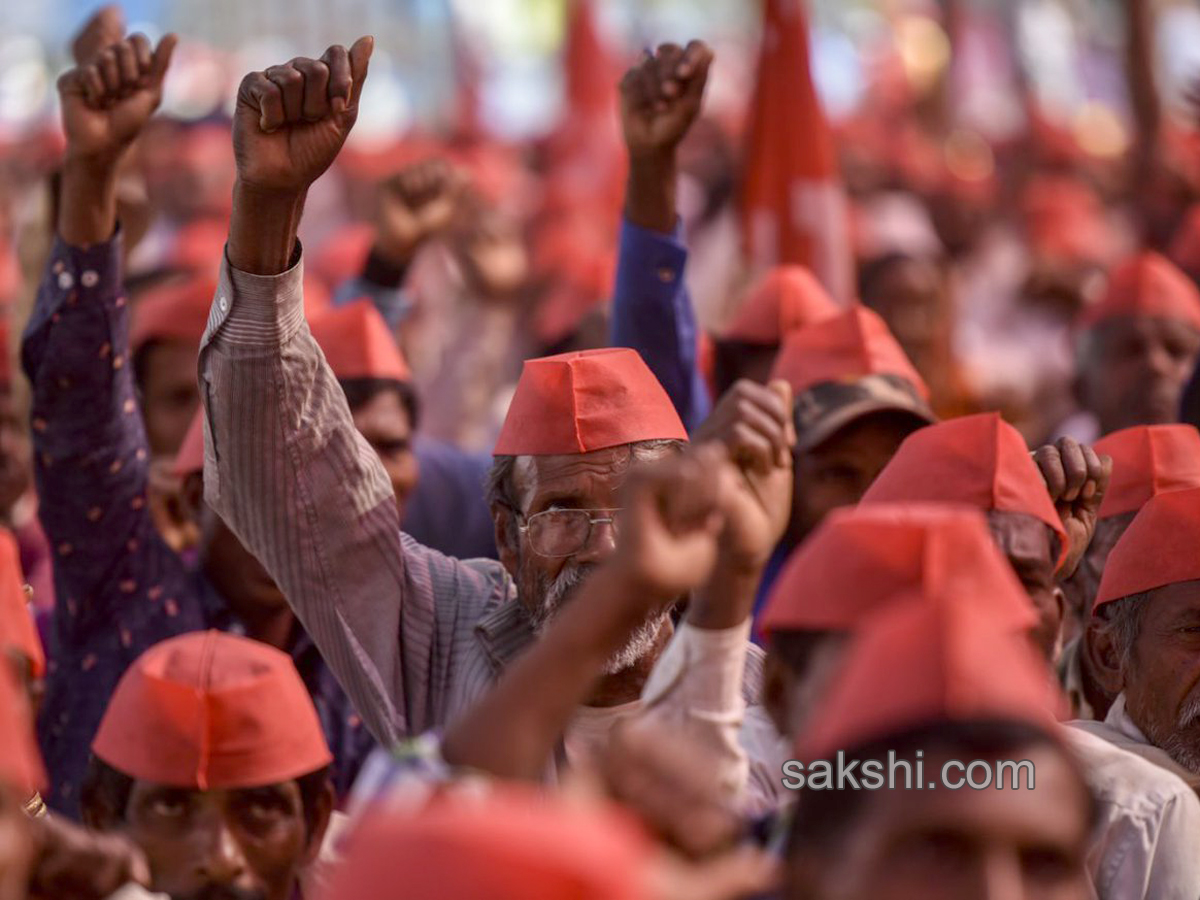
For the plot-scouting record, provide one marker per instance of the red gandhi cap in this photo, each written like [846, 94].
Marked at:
[1146, 285]
[508, 845]
[1148, 460]
[861, 559]
[924, 660]
[17, 628]
[174, 312]
[580, 402]
[784, 300]
[358, 344]
[190, 457]
[978, 460]
[845, 367]
[1158, 548]
[211, 710]
[20, 763]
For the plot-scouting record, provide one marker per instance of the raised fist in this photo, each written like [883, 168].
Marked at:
[660, 97]
[1077, 479]
[107, 101]
[105, 28]
[416, 204]
[291, 120]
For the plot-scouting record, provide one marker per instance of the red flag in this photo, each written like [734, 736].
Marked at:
[793, 207]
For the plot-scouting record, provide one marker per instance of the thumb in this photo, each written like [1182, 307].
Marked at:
[162, 57]
[360, 58]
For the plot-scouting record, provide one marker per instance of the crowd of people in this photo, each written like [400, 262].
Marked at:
[625, 516]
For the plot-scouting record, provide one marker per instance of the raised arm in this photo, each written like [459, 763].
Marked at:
[284, 465]
[652, 310]
[92, 457]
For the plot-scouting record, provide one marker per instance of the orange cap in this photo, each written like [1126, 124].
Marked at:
[17, 628]
[860, 559]
[1158, 548]
[190, 457]
[784, 300]
[929, 658]
[20, 763]
[173, 312]
[978, 460]
[508, 845]
[1146, 285]
[851, 345]
[210, 710]
[1147, 460]
[580, 402]
[358, 344]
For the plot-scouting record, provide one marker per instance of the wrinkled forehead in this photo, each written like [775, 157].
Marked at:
[1172, 601]
[589, 479]
[1024, 539]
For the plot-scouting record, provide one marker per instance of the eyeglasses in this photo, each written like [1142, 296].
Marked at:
[564, 532]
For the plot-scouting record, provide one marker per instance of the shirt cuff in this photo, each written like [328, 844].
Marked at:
[80, 272]
[644, 250]
[701, 671]
[258, 310]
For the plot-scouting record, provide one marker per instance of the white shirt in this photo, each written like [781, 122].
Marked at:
[1147, 843]
[1117, 728]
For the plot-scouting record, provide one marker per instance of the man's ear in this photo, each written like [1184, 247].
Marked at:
[508, 537]
[326, 801]
[777, 691]
[1104, 656]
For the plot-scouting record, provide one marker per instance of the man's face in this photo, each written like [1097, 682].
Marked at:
[1081, 588]
[1028, 543]
[838, 471]
[987, 845]
[1162, 680]
[170, 396]
[1134, 370]
[16, 847]
[383, 421]
[589, 481]
[246, 844]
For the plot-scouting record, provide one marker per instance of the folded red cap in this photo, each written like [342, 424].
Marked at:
[1148, 460]
[209, 710]
[978, 460]
[20, 763]
[510, 844]
[190, 457]
[1146, 285]
[17, 628]
[173, 312]
[923, 660]
[1158, 548]
[784, 300]
[848, 346]
[580, 402]
[358, 344]
[859, 560]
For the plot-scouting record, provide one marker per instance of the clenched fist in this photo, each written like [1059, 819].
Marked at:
[660, 97]
[291, 120]
[107, 101]
[1077, 479]
[416, 204]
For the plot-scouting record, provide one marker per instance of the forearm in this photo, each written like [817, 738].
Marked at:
[650, 192]
[263, 228]
[512, 731]
[727, 600]
[88, 204]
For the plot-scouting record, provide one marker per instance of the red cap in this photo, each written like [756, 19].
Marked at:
[208, 710]
[1185, 246]
[1146, 285]
[173, 312]
[978, 460]
[20, 763]
[929, 659]
[17, 628]
[508, 845]
[358, 344]
[580, 402]
[1147, 460]
[190, 457]
[861, 559]
[851, 345]
[344, 255]
[1158, 548]
[784, 300]
[200, 246]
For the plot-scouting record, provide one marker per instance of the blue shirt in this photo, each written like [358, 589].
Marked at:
[120, 588]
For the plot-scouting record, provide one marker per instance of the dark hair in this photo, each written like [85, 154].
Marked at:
[139, 360]
[823, 819]
[361, 391]
[104, 794]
